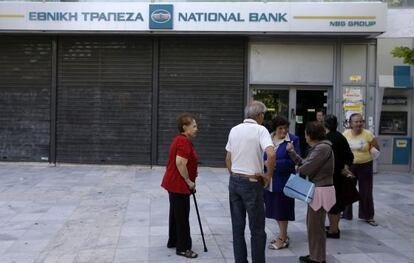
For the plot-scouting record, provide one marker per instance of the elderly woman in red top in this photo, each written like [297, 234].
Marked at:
[179, 181]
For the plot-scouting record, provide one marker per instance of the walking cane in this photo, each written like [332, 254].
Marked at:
[199, 222]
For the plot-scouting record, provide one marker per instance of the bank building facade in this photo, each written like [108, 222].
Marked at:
[102, 82]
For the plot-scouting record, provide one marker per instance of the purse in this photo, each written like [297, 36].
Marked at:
[347, 172]
[347, 192]
[374, 152]
[299, 188]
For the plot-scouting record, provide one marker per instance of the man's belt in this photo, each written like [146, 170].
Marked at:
[251, 178]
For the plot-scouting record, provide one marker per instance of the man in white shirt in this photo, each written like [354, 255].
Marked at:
[245, 147]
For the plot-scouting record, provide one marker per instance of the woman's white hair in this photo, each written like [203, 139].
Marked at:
[253, 109]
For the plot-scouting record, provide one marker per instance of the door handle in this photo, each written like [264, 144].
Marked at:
[292, 114]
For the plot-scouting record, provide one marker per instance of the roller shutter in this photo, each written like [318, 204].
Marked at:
[104, 100]
[25, 84]
[204, 76]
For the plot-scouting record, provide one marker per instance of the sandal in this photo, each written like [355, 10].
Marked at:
[279, 244]
[371, 222]
[188, 254]
[275, 240]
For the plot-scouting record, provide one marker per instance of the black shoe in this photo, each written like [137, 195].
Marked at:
[336, 235]
[306, 259]
[170, 245]
[332, 235]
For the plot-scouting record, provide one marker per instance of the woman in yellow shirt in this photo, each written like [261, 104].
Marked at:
[361, 141]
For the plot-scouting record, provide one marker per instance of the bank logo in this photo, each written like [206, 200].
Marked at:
[161, 17]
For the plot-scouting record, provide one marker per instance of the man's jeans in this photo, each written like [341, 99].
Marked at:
[246, 196]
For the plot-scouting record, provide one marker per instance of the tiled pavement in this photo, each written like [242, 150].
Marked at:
[80, 213]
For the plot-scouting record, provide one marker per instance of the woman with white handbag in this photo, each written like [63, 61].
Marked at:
[365, 148]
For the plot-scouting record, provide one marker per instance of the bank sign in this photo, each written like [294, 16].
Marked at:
[235, 17]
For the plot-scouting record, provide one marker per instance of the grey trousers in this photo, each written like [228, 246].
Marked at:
[315, 222]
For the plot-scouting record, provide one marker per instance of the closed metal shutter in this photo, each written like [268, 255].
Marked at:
[25, 84]
[204, 76]
[104, 100]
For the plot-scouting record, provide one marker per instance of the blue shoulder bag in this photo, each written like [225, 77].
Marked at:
[299, 188]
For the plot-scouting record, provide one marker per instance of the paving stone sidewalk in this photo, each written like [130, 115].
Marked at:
[98, 214]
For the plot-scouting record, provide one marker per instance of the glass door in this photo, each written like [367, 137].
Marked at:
[298, 104]
[308, 103]
[276, 101]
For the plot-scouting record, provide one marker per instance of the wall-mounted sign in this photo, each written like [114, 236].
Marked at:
[367, 17]
[355, 107]
[401, 143]
[352, 94]
[355, 78]
[394, 100]
[402, 76]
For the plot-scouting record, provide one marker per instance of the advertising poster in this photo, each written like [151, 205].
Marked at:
[353, 102]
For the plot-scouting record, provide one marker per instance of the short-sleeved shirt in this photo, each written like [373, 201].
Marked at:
[246, 143]
[173, 181]
[359, 145]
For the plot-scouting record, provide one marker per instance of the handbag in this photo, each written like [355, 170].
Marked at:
[347, 192]
[374, 152]
[347, 172]
[299, 188]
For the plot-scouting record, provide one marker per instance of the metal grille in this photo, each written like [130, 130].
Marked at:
[104, 100]
[204, 76]
[25, 84]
